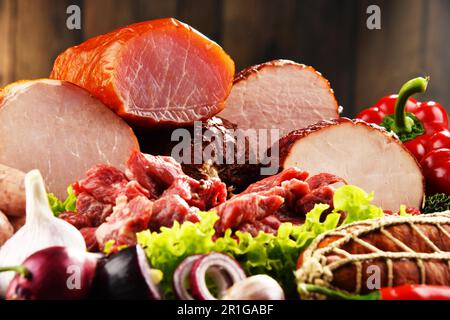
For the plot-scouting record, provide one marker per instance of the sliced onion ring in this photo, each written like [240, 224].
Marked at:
[181, 276]
[224, 270]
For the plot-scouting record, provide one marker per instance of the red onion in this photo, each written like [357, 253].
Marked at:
[224, 270]
[181, 277]
[54, 273]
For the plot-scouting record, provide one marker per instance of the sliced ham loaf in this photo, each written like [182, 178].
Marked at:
[152, 73]
[60, 129]
[280, 94]
[364, 155]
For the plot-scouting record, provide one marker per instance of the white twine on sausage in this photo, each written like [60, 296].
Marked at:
[315, 269]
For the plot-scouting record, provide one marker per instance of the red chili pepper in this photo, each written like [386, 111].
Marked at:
[436, 168]
[415, 292]
[413, 122]
[404, 292]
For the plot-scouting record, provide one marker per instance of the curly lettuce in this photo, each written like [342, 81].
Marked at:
[275, 255]
[436, 203]
[355, 202]
[59, 206]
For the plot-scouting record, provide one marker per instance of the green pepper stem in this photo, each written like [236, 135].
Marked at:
[24, 272]
[403, 123]
[341, 295]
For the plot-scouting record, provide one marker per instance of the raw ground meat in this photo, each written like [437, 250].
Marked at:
[128, 217]
[203, 194]
[171, 208]
[154, 173]
[247, 209]
[287, 196]
[90, 239]
[269, 224]
[79, 221]
[154, 192]
[97, 194]
[276, 180]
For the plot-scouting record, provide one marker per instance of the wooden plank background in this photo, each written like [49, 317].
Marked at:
[361, 64]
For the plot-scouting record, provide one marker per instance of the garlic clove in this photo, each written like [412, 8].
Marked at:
[41, 230]
[37, 205]
[259, 287]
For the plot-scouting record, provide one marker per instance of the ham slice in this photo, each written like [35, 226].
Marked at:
[159, 72]
[280, 94]
[60, 129]
[362, 154]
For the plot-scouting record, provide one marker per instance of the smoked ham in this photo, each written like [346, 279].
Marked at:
[60, 129]
[280, 94]
[152, 73]
[218, 136]
[362, 154]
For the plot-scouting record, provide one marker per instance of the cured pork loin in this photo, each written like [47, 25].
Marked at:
[364, 155]
[60, 129]
[280, 94]
[159, 72]
[401, 250]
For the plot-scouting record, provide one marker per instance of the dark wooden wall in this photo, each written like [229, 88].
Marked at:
[330, 35]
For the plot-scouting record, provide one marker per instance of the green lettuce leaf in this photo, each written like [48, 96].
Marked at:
[275, 255]
[59, 206]
[355, 202]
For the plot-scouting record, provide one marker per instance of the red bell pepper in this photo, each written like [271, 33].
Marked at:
[421, 126]
[439, 140]
[413, 122]
[436, 168]
[404, 292]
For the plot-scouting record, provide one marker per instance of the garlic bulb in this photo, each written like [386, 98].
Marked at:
[41, 230]
[259, 287]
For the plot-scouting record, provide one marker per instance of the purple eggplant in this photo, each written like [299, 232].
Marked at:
[126, 275]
